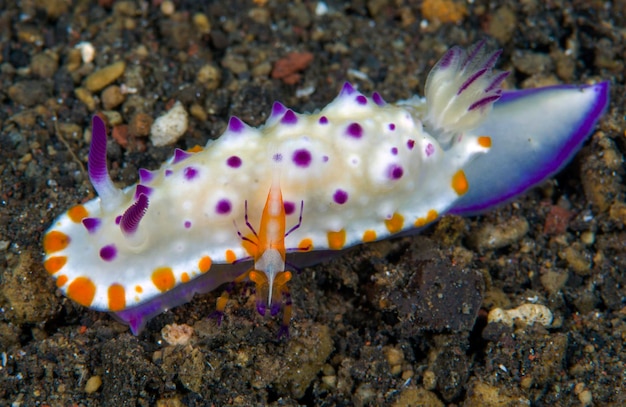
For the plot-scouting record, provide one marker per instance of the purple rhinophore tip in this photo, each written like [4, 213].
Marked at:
[347, 89]
[97, 161]
[145, 176]
[261, 307]
[471, 80]
[483, 102]
[142, 189]
[278, 109]
[474, 51]
[289, 117]
[236, 125]
[91, 224]
[378, 99]
[133, 215]
[274, 308]
[362, 100]
[497, 81]
[180, 155]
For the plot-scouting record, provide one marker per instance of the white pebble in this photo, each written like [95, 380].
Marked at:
[528, 314]
[169, 127]
[87, 51]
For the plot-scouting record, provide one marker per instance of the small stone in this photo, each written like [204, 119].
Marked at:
[140, 124]
[86, 97]
[235, 63]
[168, 8]
[198, 112]
[105, 76]
[29, 93]
[44, 64]
[209, 76]
[112, 97]
[175, 334]
[87, 51]
[578, 259]
[527, 314]
[491, 237]
[93, 384]
[169, 127]
[287, 68]
[201, 22]
[74, 59]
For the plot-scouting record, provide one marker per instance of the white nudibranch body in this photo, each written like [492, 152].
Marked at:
[356, 171]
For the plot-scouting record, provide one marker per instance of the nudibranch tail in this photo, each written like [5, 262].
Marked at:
[461, 89]
[109, 194]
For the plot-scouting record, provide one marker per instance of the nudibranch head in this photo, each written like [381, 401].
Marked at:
[461, 90]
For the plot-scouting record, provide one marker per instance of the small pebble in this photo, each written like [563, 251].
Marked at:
[140, 124]
[528, 314]
[490, 237]
[86, 97]
[169, 127]
[93, 384]
[105, 76]
[44, 64]
[201, 22]
[168, 8]
[175, 334]
[209, 76]
[112, 97]
[87, 51]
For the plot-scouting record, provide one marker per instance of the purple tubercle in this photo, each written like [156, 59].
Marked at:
[235, 125]
[392, 126]
[483, 102]
[410, 144]
[429, 150]
[354, 130]
[378, 99]
[91, 224]
[190, 173]
[325, 158]
[289, 117]
[347, 89]
[187, 224]
[340, 196]
[233, 161]
[118, 219]
[471, 80]
[289, 207]
[108, 252]
[362, 100]
[302, 158]
[395, 171]
[278, 109]
[394, 150]
[278, 157]
[142, 189]
[133, 215]
[145, 176]
[323, 120]
[168, 173]
[223, 207]
[180, 155]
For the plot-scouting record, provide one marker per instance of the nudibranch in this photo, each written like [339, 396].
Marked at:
[359, 170]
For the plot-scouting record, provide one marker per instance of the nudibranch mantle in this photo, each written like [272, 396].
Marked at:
[357, 171]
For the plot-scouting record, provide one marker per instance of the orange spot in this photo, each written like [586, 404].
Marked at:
[184, 278]
[82, 290]
[484, 141]
[55, 241]
[61, 280]
[336, 240]
[204, 264]
[305, 245]
[431, 216]
[444, 11]
[138, 289]
[117, 297]
[196, 149]
[77, 213]
[395, 224]
[459, 183]
[54, 264]
[420, 222]
[163, 279]
[230, 256]
[369, 236]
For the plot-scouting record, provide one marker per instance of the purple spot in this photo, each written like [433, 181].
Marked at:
[142, 189]
[347, 89]
[187, 224]
[325, 158]
[323, 120]
[394, 151]
[223, 207]
[289, 117]
[340, 196]
[289, 207]
[302, 158]
[168, 173]
[362, 100]
[145, 176]
[395, 171]
[118, 219]
[355, 130]
[278, 157]
[392, 126]
[234, 161]
[91, 224]
[108, 253]
[378, 99]
[235, 124]
[410, 144]
[190, 173]
[430, 150]
[179, 155]
[278, 109]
